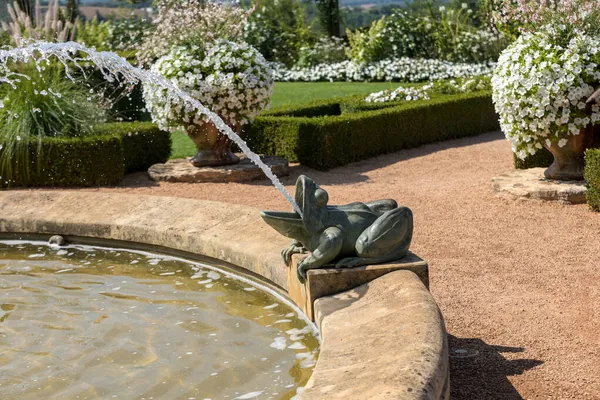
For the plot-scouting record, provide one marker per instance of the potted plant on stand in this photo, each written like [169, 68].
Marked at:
[231, 79]
[544, 82]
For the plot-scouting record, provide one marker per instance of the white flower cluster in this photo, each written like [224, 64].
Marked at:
[481, 45]
[326, 50]
[467, 85]
[540, 89]
[400, 69]
[400, 93]
[190, 21]
[127, 34]
[231, 79]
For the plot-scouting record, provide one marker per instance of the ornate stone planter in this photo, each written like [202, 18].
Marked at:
[568, 160]
[214, 148]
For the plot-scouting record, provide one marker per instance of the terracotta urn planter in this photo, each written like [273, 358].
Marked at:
[214, 148]
[569, 160]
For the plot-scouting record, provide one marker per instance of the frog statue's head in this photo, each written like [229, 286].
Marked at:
[312, 201]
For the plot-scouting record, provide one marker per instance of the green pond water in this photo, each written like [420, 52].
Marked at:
[89, 323]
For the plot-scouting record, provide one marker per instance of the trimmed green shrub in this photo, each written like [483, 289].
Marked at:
[86, 161]
[96, 160]
[541, 159]
[320, 108]
[328, 141]
[144, 144]
[591, 174]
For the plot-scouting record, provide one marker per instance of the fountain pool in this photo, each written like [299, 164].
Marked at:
[87, 322]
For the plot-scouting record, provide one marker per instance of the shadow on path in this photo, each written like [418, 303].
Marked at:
[347, 174]
[479, 371]
[355, 172]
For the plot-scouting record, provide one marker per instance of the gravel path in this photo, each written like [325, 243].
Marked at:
[516, 281]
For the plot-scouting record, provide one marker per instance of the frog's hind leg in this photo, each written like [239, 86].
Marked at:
[387, 239]
[381, 206]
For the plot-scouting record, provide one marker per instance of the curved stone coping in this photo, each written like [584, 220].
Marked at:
[231, 233]
[385, 339]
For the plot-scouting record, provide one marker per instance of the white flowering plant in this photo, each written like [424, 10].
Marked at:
[190, 22]
[278, 30]
[398, 69]
[541, 85]
[411, 93]
[326, 50]
[231, 79]
[400, 94]
[446, 34]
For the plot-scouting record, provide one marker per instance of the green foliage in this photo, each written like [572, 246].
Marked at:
[358, 17]
[63, 161]
[94, 33]
[326, 50]
[408, 35]
[451, 34]
[143, 143]
[296, 93]
[125, 34]
[71, 11]
[329, 16]
[278, 30]
[541, 159]
[38, 107]
[96, 160]
[115, 34]
[322, 141]
[368, 45]
[591, 175]
[4, 37]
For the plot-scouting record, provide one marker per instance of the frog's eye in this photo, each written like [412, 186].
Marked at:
[321, 198]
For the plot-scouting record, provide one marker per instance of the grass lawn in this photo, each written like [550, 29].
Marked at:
[294, 93]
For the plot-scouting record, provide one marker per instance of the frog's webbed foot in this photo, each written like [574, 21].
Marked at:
[330, 244]
[294, 248]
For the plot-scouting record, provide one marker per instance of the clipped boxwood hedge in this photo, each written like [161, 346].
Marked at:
[321, 137]
[591, 174]
[541, 159]
[89, 161]
[95, 160]
[144, 144]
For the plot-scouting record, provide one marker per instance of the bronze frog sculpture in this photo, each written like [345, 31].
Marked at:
[349, 235]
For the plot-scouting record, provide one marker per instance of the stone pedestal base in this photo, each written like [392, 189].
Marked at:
[531, 184]
[181, 170]
[328, 281]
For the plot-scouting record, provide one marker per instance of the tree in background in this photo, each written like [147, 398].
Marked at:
[329, 16]
[278, 30]
[72, 10]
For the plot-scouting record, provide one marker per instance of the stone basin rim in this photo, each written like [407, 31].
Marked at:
[237, 236]
[150, 248]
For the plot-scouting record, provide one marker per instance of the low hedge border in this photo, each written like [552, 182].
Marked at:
[96, 160]
[144, 144]
[88, 161]
[591, 174]
[320, 138]
[541, 159]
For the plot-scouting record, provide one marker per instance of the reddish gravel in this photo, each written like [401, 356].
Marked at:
[517, 281]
